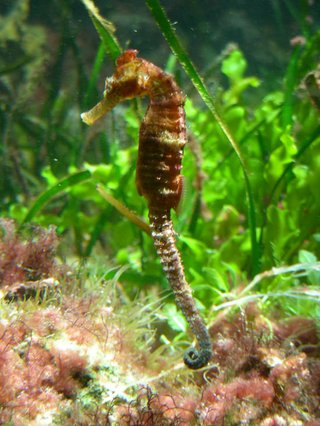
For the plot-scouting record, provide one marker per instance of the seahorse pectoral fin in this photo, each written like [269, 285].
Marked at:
[312, 82]
[181, 193]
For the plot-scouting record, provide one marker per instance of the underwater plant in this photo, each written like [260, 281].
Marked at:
[31, 261]
[161, 144]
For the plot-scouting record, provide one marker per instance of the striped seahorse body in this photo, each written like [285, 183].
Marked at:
[158, 177]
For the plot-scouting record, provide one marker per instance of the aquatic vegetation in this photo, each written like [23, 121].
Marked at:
[22, 65]
[22, 261]
[67, 363]
[75, 349]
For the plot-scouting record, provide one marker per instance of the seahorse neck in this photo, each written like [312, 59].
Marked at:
[165, 90]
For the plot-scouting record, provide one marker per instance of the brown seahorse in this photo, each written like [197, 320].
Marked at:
[161, 142]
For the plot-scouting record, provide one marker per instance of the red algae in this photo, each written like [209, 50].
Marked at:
[75, 361]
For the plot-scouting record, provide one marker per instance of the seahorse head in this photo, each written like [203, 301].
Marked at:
[131, 79]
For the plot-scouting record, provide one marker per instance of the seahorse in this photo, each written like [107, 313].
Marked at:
[162, 138]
